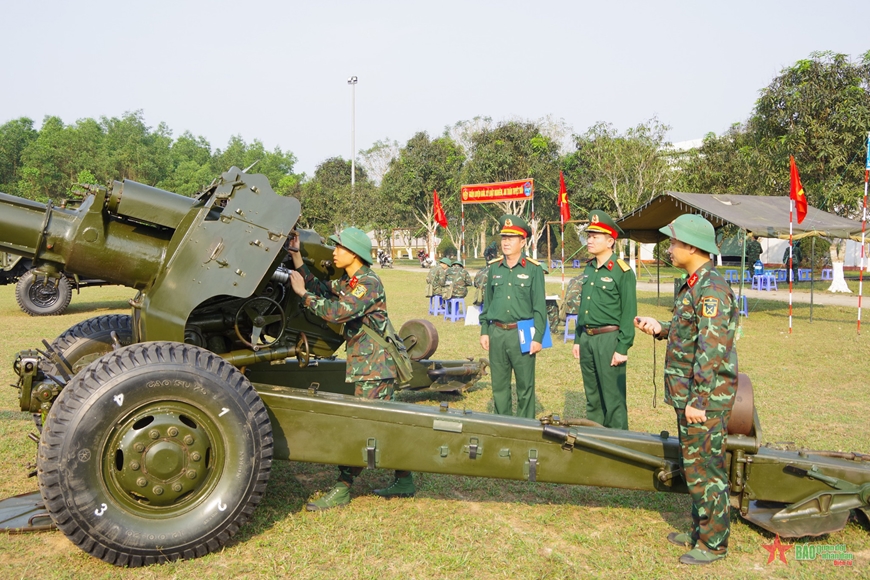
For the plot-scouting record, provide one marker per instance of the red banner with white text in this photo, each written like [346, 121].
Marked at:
[503, 191]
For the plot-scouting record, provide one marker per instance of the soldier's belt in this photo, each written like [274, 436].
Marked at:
[504, 325]
[600, 329]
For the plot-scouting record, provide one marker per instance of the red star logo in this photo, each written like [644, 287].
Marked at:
[775, 548]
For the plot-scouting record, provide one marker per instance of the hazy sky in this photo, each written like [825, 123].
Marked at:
[277, 70]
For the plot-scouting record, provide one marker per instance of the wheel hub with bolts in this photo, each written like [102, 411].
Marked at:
[161, 455]
[44, 293]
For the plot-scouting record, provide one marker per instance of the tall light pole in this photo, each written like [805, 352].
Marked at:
[352, 82]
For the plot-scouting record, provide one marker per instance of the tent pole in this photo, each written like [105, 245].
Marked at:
[659, 277]
[812, 273]
[741, 276]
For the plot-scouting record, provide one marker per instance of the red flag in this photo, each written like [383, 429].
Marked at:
[438, 211]
[564, 209]
[797, 192]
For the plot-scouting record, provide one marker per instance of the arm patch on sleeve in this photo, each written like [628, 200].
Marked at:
[709, 307]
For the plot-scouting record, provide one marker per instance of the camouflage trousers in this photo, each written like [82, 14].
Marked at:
[703, 466]
[382, 390]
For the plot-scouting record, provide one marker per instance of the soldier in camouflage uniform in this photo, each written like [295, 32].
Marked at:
[357, 300]
[456, 281]
[571, 303]
[436, 280]
[480, 284]
[700, 383]
[433, 287]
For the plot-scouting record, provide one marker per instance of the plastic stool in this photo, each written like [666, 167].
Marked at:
[454, 309]
[570, 335]
[744, 309]
[436, 305]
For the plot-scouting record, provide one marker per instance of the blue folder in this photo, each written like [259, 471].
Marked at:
[526, 328]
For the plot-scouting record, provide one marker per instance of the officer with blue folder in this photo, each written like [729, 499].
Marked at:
[514, 292]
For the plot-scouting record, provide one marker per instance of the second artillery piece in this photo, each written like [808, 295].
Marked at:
[159, 429]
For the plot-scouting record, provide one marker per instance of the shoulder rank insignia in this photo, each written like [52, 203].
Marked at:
[494, 260]
[359, 291]
[709, 307]
[625, 267]
[533, 261]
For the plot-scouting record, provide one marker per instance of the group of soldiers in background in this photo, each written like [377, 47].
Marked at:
[448, 279]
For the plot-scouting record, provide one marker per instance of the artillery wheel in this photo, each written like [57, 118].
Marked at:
[89, 340]
[40, 297]
[253, 313]
[155, 452]
[420, 338]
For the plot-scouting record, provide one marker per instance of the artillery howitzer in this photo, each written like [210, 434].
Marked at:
[159, 429]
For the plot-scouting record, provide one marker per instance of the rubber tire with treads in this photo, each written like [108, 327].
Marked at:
[38, 297]
[92, 338]
[129, 423]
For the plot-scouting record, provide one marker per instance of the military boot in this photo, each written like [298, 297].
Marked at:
[402, 486]
[338, 496]
[699, 556]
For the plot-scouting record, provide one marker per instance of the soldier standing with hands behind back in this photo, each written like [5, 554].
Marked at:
[605, 318]
[700, 383]
[514, 291]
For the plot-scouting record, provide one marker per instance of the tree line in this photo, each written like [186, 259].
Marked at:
[818, 110]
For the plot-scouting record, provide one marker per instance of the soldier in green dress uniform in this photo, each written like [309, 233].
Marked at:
[700, 383]
[357, 300]
[514, 291]
[605, 324]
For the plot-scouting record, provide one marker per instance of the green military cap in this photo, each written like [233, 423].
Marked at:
[511, 225]
[693, 230]
[355, 240]
[603, 223]
[458, 263]
[446, 261]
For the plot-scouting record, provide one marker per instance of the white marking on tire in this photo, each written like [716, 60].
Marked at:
[224, 411]
[119, 398]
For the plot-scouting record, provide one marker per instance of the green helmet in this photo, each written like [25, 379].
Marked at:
[446, 261]
[355, 240]
[694, 230]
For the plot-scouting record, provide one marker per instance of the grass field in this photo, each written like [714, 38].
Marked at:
[811, 388]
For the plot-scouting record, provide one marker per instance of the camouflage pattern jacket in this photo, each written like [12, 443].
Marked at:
[456, 282]
[701, 362]
[480, 284]
[435, 281]
[571, 303]
[353, 301]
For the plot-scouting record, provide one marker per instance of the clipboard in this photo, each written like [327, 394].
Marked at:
[526, 329]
